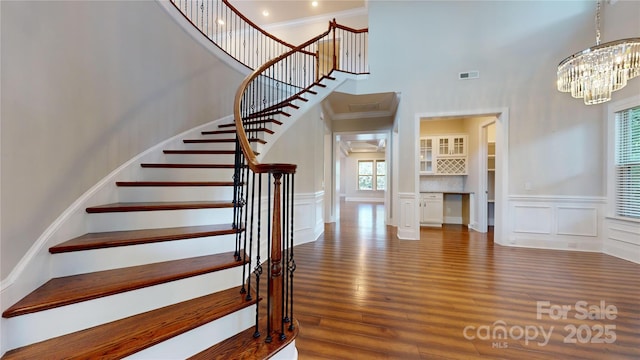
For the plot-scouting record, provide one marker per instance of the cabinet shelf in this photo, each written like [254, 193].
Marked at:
[443, 155]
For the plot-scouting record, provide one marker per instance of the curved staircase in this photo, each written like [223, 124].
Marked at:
[159, 276]
[166, 272]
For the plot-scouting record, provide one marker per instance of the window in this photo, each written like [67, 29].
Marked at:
[372, 175]
[627, 163]
[381, 172]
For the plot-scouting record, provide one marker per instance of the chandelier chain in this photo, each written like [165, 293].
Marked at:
[598, 22]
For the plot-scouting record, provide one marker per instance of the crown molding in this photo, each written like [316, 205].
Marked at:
[315, 19]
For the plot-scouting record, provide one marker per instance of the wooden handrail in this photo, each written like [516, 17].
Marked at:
[249, 154]
[263, 93]
[226, 2]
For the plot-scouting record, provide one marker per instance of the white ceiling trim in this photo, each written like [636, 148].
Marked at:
[363, 115]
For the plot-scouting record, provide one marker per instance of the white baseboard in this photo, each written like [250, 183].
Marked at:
[457, 220]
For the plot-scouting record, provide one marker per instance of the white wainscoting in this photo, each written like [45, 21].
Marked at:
[309, 216]
[556, 222]
[408, 221]
[622, 239]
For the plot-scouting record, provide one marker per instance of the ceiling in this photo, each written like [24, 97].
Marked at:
[363, 143]
[281, 11]
[342, 106]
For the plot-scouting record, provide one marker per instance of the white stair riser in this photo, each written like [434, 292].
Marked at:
[200, 338]
[198, 159]
[210, 146]
[81, 262]
[31, 328]
[137, 220]
[289, 352]
[174, 193]
[181, 174]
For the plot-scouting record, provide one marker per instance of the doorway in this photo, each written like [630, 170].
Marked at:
[476, 181]
[487, 198]
[361, 172]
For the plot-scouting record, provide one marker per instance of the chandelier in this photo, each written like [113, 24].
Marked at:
[593, 74]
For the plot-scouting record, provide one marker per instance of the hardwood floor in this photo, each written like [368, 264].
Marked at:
[363, 294]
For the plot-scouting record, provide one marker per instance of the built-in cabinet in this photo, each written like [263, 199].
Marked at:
[426, 155]
[431, 209]
[443, 155]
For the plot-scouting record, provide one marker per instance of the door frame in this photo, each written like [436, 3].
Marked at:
[502, 162]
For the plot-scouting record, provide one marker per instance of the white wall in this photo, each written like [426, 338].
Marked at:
[306, 136]
[85, 87]
[555, 141]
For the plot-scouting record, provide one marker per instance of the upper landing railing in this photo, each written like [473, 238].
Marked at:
[231, 31]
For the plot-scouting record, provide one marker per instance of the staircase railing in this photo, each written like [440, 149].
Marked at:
[283, 74]
[268, 92]
[231, 31]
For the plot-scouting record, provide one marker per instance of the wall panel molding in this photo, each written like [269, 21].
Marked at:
[408, 224]
[556, 222]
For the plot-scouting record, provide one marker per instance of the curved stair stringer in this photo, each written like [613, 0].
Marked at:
[328, 85]
[38, 266]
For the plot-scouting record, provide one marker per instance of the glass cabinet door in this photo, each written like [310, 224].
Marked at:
[426, 155]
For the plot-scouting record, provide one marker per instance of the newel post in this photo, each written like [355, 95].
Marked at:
[275, 311]
[335, 55]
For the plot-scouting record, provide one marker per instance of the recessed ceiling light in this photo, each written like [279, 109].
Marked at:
[314, 3]
[265, 12]
[220, 22]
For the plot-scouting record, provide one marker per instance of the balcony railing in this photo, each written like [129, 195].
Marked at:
[231, 31]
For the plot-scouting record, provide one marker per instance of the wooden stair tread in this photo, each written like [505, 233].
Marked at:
[77, 288]
[206, 141]
[127, 336]
[216, 132]
[174, 183]
[202, 152]
[261, 129]
[252, 122]
[243, 346]
[187, 166]
[266, 113]
[327, 77]
[233, 131]
[261, 141]
[134, 237]
[153, 206]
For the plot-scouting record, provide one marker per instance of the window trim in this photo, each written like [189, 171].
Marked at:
[610, 142]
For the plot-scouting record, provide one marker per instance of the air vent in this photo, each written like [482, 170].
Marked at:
[469, 75]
